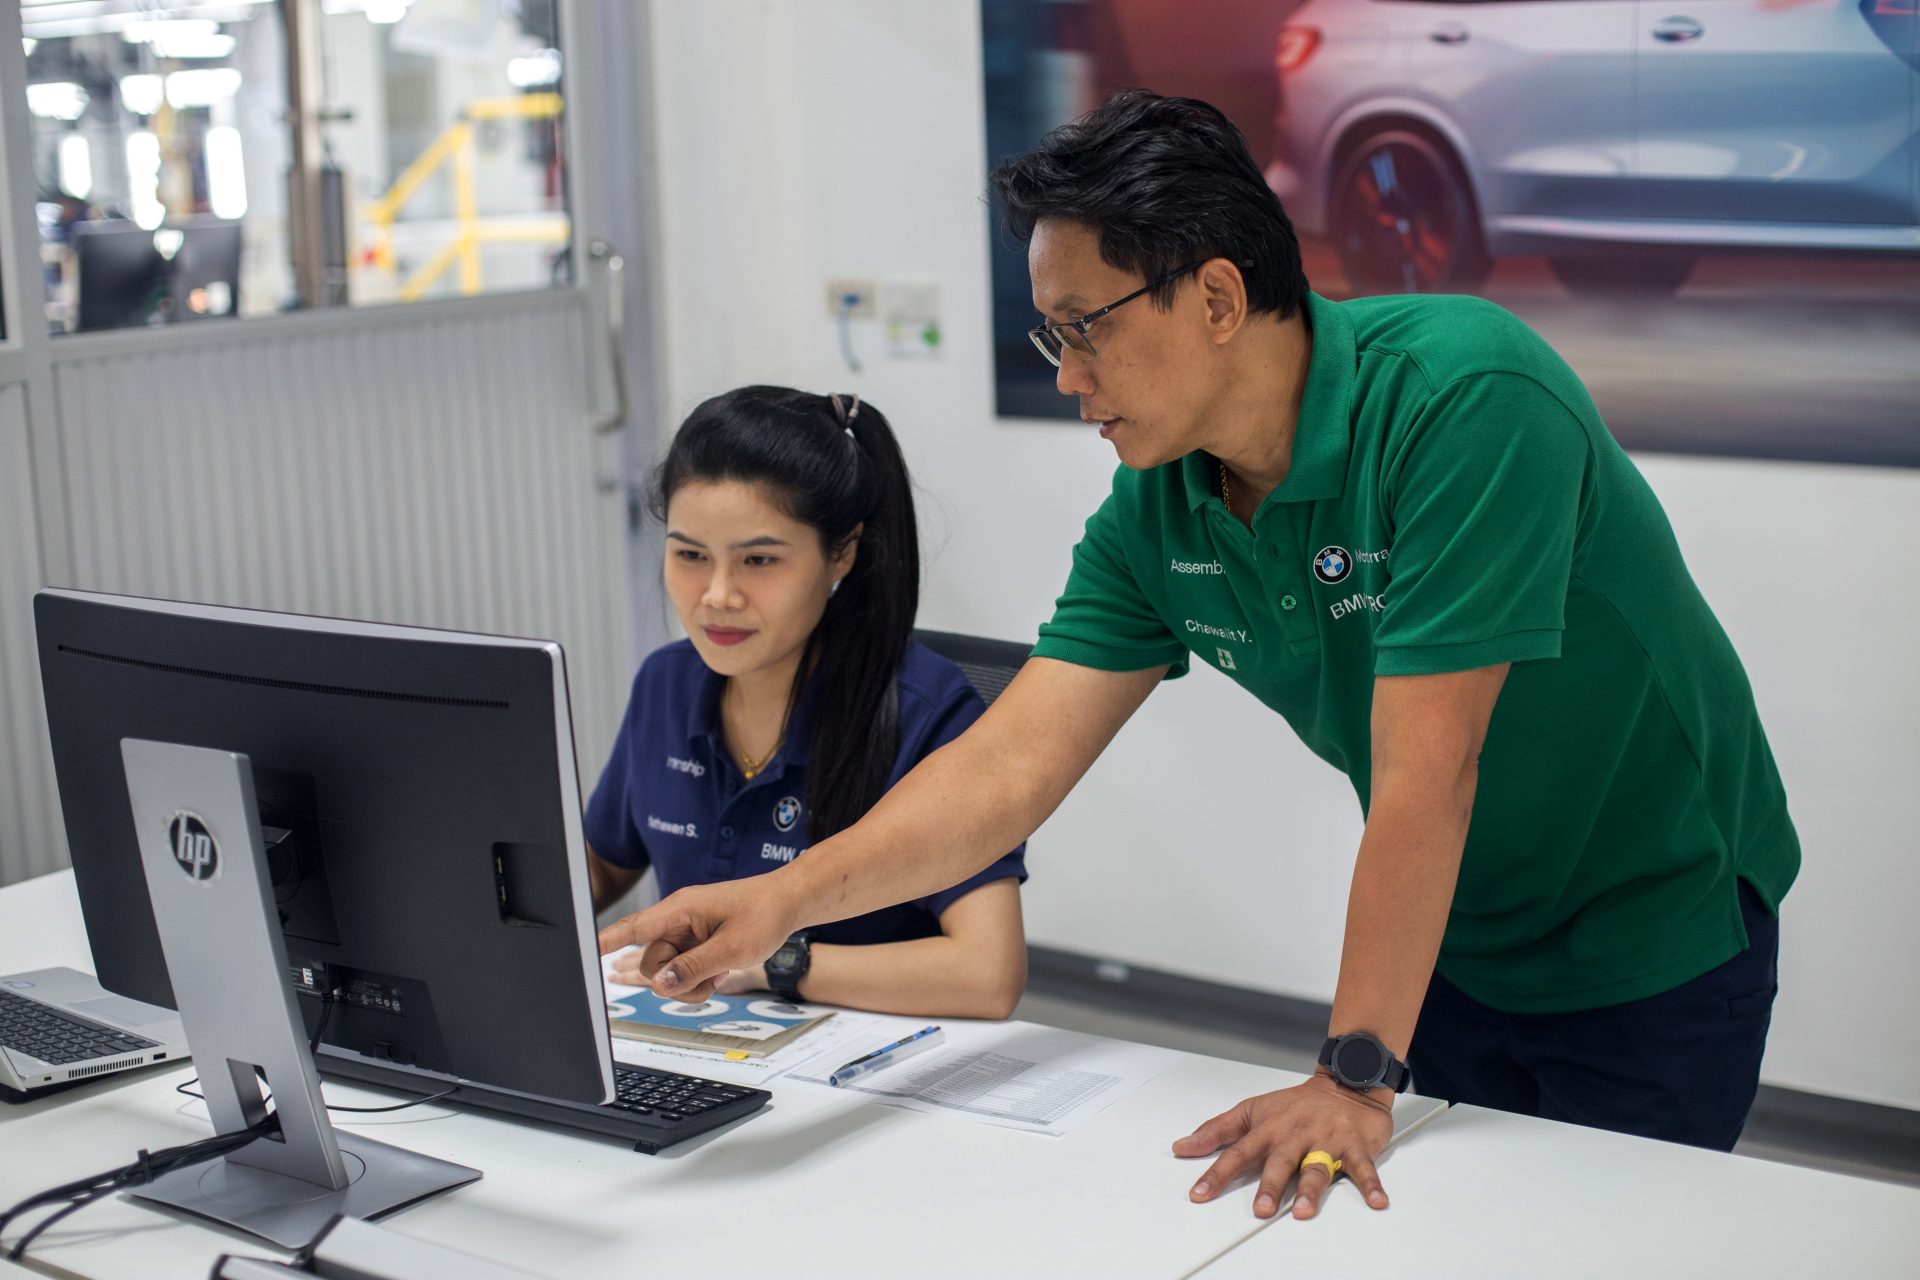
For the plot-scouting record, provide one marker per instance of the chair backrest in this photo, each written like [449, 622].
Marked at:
[989, 665]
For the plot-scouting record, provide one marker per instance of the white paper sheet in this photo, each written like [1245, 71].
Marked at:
[1021, 1076]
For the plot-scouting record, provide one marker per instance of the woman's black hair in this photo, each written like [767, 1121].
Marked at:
[1165, 182]
[831, 463]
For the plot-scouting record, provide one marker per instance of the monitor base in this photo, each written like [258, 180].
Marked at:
[291, 1212]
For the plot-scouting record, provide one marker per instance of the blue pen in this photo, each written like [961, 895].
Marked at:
[886, 1055]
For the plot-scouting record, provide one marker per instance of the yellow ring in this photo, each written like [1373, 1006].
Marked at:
[1324, 1159]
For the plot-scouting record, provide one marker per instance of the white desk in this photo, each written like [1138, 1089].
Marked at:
[1486, 1194]
[816, 1184]
[819, 1185]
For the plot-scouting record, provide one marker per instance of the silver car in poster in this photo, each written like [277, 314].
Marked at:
[1619, 138]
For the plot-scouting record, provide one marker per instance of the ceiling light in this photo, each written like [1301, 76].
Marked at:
[76, 166]
[61, 100]
[535, 69]
[201, 87]
[142, 94]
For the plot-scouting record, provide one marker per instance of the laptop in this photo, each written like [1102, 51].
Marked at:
[60, 1026]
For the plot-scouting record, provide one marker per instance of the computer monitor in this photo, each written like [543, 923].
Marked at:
[418, 795]
[130, 276]
[123, 281]
[206, 269]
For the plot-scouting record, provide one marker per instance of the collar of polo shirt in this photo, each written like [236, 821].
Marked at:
[1323, 441]
[703, 723]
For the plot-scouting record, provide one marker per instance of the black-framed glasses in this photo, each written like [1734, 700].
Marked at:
[1054, 339]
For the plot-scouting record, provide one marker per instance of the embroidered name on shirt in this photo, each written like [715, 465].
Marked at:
[1223, 633]
[1196, 566]
[693, 767]
[779, 853]
[689, 829]
[1355, 603]
[1372, 557]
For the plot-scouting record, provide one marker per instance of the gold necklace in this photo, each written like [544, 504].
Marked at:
[751, 768]
[1226, 495]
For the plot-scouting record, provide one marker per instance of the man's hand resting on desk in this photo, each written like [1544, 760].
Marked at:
[1273, 1133]
[690, 941]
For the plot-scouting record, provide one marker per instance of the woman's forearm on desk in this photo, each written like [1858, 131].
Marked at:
[977, 968]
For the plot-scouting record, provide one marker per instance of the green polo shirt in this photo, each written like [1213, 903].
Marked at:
[1455, 502]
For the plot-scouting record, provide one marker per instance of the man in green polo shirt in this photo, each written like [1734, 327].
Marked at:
[1400, 524]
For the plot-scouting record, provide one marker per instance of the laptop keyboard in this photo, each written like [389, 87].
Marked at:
[59, 1038]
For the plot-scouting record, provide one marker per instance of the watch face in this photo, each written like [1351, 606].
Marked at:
[1359, 1060]
[784, 958]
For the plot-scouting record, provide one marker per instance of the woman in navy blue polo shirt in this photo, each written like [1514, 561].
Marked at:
[799, 697]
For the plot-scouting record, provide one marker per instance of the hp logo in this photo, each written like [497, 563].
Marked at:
[193, 846]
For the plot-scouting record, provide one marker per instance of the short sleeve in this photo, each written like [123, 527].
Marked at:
[1103, 619]
[952, 719]
[609, 822]
[1485, 496]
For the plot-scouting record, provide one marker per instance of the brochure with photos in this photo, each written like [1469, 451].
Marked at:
[755, 1025]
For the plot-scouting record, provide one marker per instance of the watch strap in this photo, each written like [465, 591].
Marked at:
[785, 982]
[1396, 1075]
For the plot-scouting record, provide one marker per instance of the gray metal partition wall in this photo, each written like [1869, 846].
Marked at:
[30, 838]
[431, 465]
[435, 465]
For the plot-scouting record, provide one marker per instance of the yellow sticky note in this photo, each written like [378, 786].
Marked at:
[736, 1055]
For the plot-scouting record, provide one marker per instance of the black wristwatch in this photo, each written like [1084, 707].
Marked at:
[1360, 1062]
[787, 966]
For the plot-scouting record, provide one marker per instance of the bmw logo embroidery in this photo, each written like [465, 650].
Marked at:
[1332, 565]
[786, 813]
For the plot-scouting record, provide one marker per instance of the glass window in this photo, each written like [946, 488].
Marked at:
[445, 128]
[163, 154]
[158, 142]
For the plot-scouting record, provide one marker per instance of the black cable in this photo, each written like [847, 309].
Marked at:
[82, 1192]
[79, 1203]
[149, 1166]
[313, 1047]
[320, 1027]
[398, 1106]
[78, 1194]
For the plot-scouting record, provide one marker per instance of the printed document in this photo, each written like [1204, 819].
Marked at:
[1018, 1075]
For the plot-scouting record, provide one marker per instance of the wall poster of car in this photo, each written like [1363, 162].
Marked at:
[1710, 207]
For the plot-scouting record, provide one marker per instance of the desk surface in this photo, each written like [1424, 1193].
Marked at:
[1486, 1194]
[817, 1183]
[822, 1185]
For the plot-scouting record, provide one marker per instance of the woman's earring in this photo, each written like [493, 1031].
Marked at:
[834, 588]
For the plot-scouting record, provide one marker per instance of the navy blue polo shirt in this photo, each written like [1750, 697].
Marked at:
[672, 797]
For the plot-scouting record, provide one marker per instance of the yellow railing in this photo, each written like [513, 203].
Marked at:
[455, 146]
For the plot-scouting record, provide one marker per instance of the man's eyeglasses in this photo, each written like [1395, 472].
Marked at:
[1054, 339]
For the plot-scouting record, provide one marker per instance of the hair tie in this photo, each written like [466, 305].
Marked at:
[846, 413]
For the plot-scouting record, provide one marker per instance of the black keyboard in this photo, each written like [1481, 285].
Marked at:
[57, 1037]
[651, 1109]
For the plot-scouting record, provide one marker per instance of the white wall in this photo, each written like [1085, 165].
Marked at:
[845, 139]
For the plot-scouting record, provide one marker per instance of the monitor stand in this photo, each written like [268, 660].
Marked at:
[206, 869]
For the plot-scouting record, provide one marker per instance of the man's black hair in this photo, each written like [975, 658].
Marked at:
[1165, 182]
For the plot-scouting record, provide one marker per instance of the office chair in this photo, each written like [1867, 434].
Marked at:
[989, 665]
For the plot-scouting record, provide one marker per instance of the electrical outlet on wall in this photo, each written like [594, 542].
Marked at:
[855, 299]
[910, 315]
